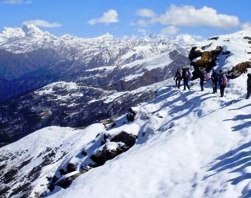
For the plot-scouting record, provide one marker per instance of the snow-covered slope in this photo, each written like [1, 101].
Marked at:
[190, 144]
[28, 162]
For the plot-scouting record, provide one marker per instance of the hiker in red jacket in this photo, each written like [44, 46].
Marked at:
[222, 82]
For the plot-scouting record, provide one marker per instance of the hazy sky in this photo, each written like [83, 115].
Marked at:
[128, 17]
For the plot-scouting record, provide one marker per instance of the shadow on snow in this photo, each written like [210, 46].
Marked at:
[241, 126]
[236, 161]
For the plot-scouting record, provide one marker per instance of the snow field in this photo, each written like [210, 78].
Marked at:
[181, 138]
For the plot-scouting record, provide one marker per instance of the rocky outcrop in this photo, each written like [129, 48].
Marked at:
[203, 59]
[207, 59]
[126, 138]
[104, 148]
[231, 54]
[239, 69]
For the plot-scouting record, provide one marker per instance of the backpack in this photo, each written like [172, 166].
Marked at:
[215, 77]
[178, 74]
[223, 80]
[187, 74]
[205, 74]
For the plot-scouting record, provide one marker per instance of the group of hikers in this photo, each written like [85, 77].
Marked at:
[218, 80]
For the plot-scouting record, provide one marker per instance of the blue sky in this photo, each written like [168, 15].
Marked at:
[90, 18]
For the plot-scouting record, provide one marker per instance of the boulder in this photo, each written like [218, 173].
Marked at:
[104, 155]
[70, 168]
[128, 139]
[66, 182]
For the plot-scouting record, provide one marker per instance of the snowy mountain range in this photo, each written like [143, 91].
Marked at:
[39, 52]
[31, 58]
[97, 67]
[181, 143]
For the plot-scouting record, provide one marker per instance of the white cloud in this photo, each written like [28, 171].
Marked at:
[15, 2]
[246, 26]
[43, 23]
[146, 13]
[110, 16]
[170, 30]
[191, 17]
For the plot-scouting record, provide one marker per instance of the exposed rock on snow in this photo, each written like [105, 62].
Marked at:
[227, 52]
[105, 147]
[207, 59]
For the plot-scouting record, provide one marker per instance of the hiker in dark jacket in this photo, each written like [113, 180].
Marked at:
[248, 86]
[186, 75]
[178, 78]
[214, 78]
[222, 83]
[202, 78]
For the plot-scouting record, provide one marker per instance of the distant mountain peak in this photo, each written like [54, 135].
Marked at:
[10, 32]
[31, 30]
[106, 36]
